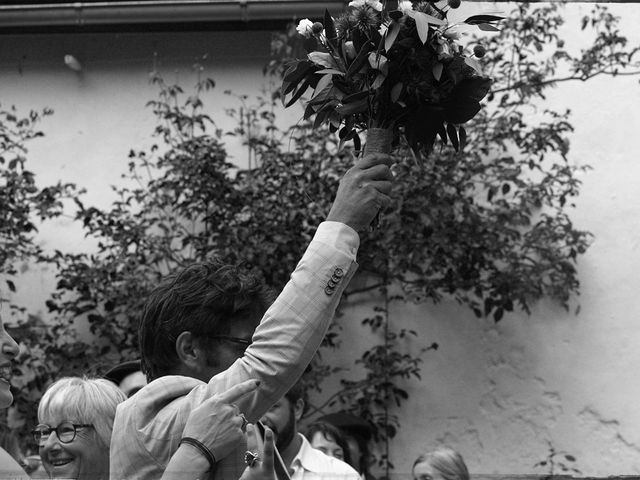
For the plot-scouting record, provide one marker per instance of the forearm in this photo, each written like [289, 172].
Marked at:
[186, 464]
[293, 327]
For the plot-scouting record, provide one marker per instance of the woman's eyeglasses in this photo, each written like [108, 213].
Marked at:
[66, 431]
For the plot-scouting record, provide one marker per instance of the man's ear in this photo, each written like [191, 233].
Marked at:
[188, 351]
[298, 409]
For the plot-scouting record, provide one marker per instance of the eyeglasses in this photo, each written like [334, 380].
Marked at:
[240, 341]
[66, 431]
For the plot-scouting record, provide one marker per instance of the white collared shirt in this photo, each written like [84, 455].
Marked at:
[311, 464]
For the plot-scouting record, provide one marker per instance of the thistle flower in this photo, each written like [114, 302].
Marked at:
[344, 24]
[364, 18]
[304, 27]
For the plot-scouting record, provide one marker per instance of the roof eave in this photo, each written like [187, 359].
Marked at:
[161, 12]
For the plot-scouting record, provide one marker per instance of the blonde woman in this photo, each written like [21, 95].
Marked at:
[441, 464]
[80, 411]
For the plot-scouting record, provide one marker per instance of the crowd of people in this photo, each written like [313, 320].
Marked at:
[215, 394]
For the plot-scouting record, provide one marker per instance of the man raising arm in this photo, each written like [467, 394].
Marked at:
[207, 328]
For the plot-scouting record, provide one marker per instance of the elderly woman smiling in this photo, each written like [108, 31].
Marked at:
[80, 412]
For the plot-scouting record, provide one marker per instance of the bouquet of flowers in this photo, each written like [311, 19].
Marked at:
[393, 71]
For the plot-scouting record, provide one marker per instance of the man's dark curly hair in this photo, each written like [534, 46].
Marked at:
[204, 299]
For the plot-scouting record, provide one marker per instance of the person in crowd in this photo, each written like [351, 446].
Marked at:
[9, 349]
[76, 420]
[128, 376]
[303, 461]
[440, 464]
[357, 433]
[329, 440]
[208, 327]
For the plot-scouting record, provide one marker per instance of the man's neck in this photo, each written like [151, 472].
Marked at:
[291, 450]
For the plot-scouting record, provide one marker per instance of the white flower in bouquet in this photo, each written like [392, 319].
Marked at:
[405, 6]
[304, 27]
[375, 4]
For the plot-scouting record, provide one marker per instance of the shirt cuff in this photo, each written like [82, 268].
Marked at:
[340, 236]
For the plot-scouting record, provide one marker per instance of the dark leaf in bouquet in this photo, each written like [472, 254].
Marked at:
[392, 34]
[323, 58]
[313, 80]
[358, 39]
[487, 27]
[396, 91]
[323, 87]
[346, 134]
[422, 128]
[407, 42]
[298, 93]
[360, 106]
[463, 102]
[457, 69]
[461, 111]
[437, 70]
[422, 26]
[462, 134]
[357, 144]
[443, 133]
[308, 111]
[361, 59]
[310, 44]
[332, 71]
[374, 35]
[330, 29]
[396, 15]
[475, 88]
[453, 135]
[294, 75]
[355, 97]
[321, 116]
[477, 19]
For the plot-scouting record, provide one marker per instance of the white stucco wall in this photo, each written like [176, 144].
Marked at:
[497, 393]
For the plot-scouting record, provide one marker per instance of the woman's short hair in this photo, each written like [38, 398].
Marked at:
[83, 400]
[446, 461]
